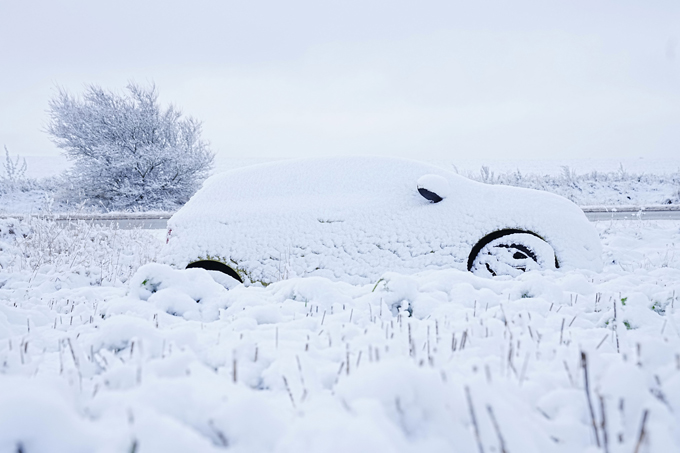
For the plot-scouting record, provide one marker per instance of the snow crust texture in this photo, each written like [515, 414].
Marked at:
[351, 219]
[442, 360]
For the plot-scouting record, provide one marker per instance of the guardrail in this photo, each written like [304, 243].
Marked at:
[124, 220]
[158, 220]
[662, 212]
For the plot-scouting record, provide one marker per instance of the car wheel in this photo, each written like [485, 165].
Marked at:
[513, 254]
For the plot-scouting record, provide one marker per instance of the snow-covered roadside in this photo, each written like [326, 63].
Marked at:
[437, 361]
[590, 189]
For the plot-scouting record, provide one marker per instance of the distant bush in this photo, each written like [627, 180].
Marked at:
[128, 152]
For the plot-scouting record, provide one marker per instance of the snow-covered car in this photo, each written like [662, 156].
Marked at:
[354, 218]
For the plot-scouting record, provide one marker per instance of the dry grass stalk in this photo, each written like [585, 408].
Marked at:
[501, 441]
[603, 425]
[584, 365]
[474, 419]
[643, 432]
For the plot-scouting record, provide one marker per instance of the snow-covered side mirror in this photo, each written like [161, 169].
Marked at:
[433, 187]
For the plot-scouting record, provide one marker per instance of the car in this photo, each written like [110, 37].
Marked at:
[354, 218]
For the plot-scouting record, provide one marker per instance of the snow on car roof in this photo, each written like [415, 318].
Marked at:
[353, 218]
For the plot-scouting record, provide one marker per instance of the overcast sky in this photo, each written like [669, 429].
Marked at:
[423, 79]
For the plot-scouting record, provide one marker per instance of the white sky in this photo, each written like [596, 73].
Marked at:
[423, 79]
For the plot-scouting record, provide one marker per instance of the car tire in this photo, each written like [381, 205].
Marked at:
[512, 254]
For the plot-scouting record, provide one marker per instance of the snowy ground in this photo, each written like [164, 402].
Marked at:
[99, 356]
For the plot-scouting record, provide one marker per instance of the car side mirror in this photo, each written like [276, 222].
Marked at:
[433, 187]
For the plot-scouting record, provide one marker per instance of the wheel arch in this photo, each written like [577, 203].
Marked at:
[213, 265]
[499, 234]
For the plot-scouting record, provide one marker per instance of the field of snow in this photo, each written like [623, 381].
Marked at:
[99, 354]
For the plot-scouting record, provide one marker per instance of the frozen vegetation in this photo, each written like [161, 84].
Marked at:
[128, 152]
[613, 188]
[100, 354]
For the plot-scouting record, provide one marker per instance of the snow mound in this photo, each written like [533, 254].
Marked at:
[191, 293]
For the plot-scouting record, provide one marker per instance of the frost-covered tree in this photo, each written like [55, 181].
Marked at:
[128, 152]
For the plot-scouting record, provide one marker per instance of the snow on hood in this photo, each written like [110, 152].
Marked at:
[353, 218]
